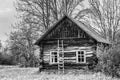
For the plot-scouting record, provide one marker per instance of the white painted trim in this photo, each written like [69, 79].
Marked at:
[68, 51]
[51, 57]
[84, 56]
[76, 56]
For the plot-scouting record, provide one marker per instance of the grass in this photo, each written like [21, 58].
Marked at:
[16, 73]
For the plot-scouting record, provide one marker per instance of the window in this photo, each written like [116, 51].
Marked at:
[54, 58]
[75, 56]
[81, 57]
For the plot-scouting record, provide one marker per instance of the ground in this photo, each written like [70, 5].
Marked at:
[16, 73]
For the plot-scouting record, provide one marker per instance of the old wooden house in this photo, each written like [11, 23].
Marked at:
[68, 44]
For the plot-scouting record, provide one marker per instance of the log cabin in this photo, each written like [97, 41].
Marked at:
[68, 44]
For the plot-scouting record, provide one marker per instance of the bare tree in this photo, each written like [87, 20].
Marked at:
[106, 17]
[36, 16]
[45, 12]
[22, 43]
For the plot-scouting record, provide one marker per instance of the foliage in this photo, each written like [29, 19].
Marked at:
[109, 62]
[104, 18]
[21, 44]
[43, 13]
[6, 59]
[35, 17]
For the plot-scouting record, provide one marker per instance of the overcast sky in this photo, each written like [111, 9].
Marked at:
[7, 17]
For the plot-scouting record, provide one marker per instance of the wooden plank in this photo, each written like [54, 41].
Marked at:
[46, 58]
[48, 48]
[68, 38]
[46, 53]
[89, 52]
[69, 42]
[89, 55]
[69, 60]
[72, 58]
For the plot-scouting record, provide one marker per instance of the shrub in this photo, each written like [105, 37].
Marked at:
[6, 59]
[32, 62]
[109, 62]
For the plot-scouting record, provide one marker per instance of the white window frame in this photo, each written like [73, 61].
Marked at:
[68, 51]
[84, 56]
[51, 57]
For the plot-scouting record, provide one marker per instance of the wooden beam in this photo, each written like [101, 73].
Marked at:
[69, 38]
[68, 43]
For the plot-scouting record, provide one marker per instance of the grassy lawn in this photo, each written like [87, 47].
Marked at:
[15, 73]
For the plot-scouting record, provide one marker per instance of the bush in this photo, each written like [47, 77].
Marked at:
[6, 59]
[32, 62]
[109, 62]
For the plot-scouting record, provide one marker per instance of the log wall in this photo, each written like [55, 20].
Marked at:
[68, 62]
[74, 38]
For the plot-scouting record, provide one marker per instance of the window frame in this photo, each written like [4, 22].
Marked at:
[51, 62]
[84, 56]
[51, 57]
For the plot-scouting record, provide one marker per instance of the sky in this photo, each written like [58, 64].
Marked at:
[7, 18]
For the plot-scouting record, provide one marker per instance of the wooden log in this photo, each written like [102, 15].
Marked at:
[69, 41]
[41, 58]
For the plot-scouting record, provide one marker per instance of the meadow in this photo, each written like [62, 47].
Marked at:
[16, 73]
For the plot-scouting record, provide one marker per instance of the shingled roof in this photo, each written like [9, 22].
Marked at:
[82, 26]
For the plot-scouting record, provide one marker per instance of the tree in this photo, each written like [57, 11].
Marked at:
[22, 44]
[44, 13]
[106, 18]
[36, 16]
